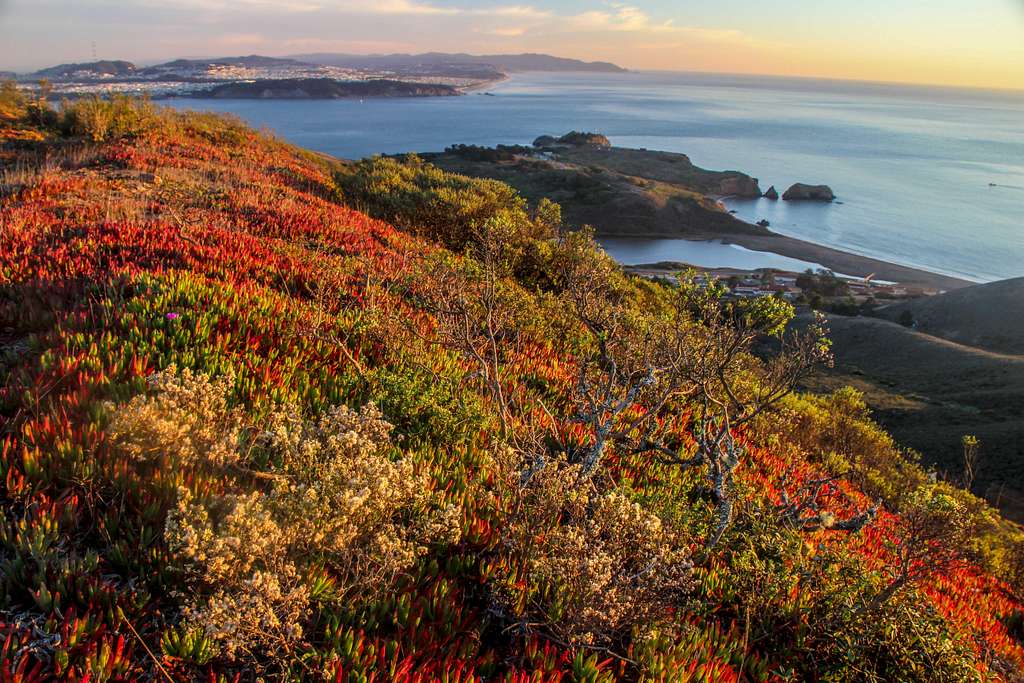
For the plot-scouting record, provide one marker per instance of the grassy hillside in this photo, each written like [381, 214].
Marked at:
[249, 431]
[988, 316]
[618, 191]
[930, 393]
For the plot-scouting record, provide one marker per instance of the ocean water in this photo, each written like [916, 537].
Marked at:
[631, 251]
[925, 177]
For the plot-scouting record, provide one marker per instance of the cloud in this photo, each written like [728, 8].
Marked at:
[516, 11]
[396, 7]
[505, 32]
[629, 18]
[241, 39]
[410, 7]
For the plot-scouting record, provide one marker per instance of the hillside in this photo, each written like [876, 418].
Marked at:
[249, 431]
[101, 69]
[975, 392]
[617, 191]
[988, 316]
[249, 61]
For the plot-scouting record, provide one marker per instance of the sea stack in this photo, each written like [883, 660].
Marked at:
[739, 185]
[803, 192]
[772, 194]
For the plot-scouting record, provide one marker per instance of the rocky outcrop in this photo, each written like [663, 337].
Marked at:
[573, 139]
[740, 185]
[772, 193]
[577, 139]
[803, 192]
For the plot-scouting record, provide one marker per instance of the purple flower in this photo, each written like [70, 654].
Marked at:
[173, 316]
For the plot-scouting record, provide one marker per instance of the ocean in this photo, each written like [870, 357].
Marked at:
[926, 177]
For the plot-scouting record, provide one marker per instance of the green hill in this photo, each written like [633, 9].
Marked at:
[988, 316]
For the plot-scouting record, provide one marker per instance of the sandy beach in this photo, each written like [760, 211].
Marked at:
[845, 262]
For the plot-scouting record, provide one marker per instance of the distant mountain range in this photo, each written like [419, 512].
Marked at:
[483, 67]
[439, 60]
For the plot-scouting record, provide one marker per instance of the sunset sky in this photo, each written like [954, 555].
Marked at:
[957, 42]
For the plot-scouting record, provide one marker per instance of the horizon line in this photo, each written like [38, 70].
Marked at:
[834, 79]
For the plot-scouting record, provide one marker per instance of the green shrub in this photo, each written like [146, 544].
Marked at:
[450, 208]
[102, 119]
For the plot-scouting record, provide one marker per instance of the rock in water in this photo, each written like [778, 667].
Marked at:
[800, 191]
[764, 223]
[772, 193]
[739, 185]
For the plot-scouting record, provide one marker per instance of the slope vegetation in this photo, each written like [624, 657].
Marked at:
[249, 431]
[988, 316]
[620, 192]
[930, 393]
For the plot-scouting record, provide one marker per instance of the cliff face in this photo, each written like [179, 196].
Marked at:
[740, 186]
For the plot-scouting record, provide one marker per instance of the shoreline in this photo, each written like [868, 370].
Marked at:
[836, 260]
[845, 262]
[483, 85]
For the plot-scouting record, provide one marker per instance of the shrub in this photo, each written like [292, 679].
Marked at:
[187, 421]
[102, 119]
[597, 565]
[336, 500]
[13, 102]
[445, 207]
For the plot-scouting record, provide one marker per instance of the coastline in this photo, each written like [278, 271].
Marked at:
[836, 259]
[483, 85]
[844, 261]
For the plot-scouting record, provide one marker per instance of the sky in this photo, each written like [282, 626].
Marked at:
[976, 43]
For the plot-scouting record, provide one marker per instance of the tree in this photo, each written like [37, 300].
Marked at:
[694, 351]
[477, 311]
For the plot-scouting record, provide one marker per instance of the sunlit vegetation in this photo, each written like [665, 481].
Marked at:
[249, 430]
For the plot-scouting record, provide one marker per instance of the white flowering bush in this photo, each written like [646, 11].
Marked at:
[185, 421]
[597, 565]
[337, 500]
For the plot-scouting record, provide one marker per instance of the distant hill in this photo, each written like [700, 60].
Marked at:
[324, 89]
[442, 61]
[929, 392]
[100, 69]
[250, 61]
[989, 316]
[619, 191]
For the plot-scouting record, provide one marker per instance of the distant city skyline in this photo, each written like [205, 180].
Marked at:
[947, 42]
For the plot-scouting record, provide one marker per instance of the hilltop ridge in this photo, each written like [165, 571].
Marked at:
[434, 61]
[988, 316]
